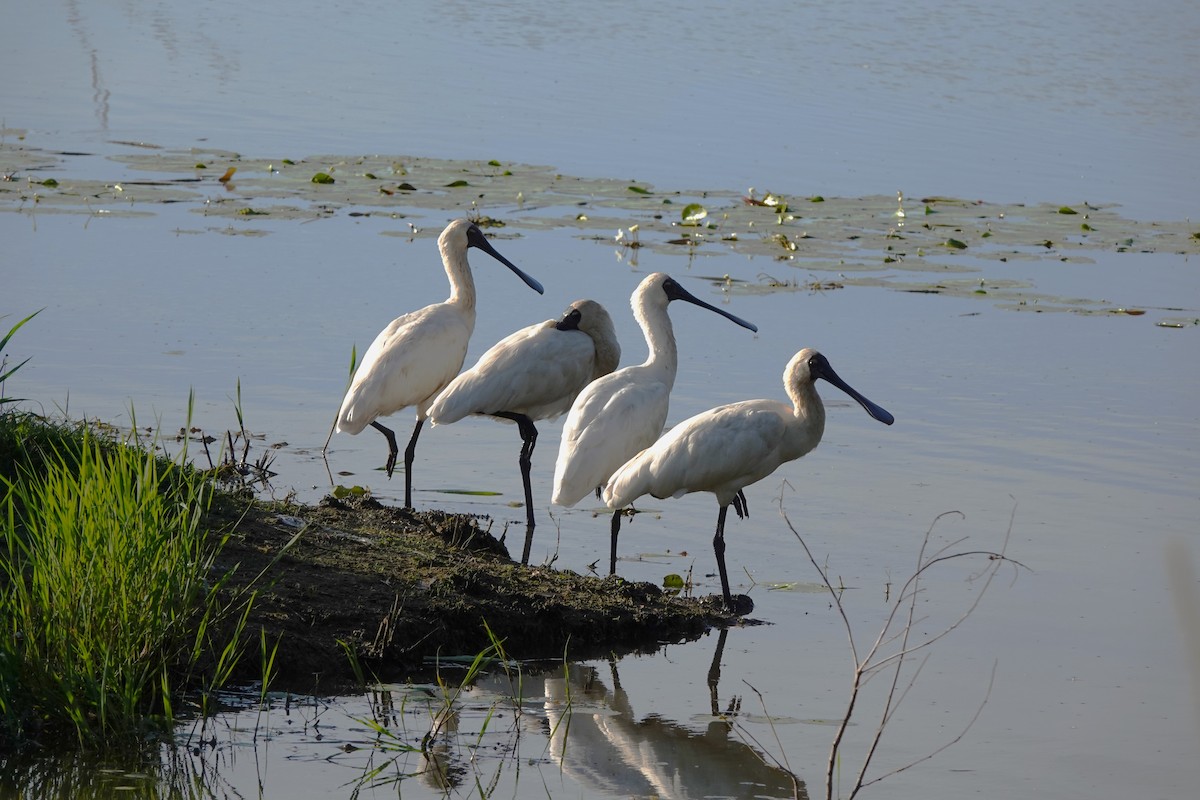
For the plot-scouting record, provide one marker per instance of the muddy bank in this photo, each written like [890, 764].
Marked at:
[400, 587]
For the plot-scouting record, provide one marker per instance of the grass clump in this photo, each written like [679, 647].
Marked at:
[105, 601]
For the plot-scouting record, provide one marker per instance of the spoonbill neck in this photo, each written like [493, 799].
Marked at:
[458, 271]
[660, 339]
[807, 406]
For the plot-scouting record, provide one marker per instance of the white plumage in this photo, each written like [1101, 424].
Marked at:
[418, 354]
[535, 373]
[620, 414]
[725, 449]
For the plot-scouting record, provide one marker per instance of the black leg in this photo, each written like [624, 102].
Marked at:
[393, 450]
[409, 452]
[719, 550]
[526, 464]
[616, 528]
[529, 436]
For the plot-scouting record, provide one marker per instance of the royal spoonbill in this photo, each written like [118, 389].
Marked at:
[620, 414]
[414, 357]
[727, 448]
[534, 374]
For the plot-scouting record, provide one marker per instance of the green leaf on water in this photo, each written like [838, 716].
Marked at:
[322, 177]
[406, 187]
[639, 190]
[493, 163]
[1067, 210]
[200, 165]
[956, 244]
[288, 161]
[469, 492]
[370, 176]
[250, 212]
[456, 184]
[673, 581]
[50, 182]
[816, 198]
[1085, 227]
[692, 213]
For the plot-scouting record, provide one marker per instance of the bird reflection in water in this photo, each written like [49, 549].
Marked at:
[598, 741]
[592, 734]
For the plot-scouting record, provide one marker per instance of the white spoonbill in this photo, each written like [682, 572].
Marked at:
[534, 374]
[727, 448]
[414, 357]
[620, 414]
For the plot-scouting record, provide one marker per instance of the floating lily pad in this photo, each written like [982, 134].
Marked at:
[692, 214]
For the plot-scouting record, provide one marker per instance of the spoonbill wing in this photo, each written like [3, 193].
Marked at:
[419, 350]
[606, 426]
[719, 450]
[536, 371]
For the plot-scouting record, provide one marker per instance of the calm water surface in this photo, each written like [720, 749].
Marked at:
[1084, 425]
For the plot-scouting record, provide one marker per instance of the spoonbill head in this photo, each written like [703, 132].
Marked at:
[419, 353]
[620, 414]
[725, 449]
[534, 374]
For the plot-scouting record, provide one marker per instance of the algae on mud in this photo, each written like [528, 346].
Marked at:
[399, 587]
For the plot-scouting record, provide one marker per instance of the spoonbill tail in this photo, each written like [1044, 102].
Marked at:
[414, 357]
[534, 374]
[620, 414]
[727, 448]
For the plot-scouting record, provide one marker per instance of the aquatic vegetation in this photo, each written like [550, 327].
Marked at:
[893, 242]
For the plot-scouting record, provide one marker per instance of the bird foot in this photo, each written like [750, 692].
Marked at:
[738, 605]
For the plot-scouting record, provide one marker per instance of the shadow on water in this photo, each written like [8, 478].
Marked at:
[582, 733]
[148, 771]
[434, 740]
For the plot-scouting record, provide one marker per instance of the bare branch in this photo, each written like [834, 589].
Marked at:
[970, 723]
[875, 661]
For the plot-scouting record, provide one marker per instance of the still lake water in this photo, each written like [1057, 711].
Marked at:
[1085, 424]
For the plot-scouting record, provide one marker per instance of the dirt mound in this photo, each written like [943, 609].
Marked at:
[401, 587]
